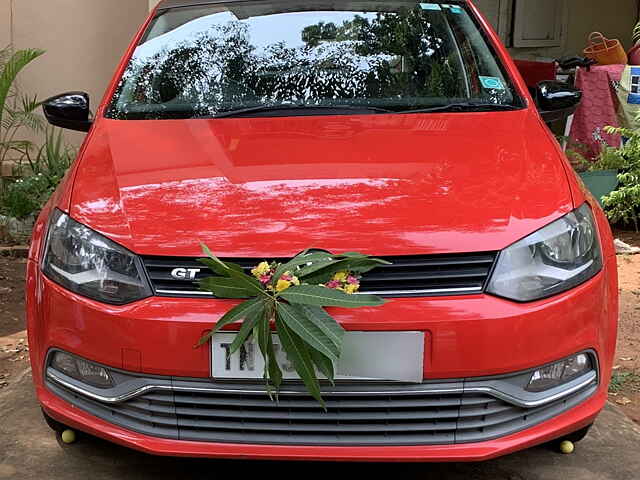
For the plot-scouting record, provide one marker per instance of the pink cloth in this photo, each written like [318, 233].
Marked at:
[598, 108]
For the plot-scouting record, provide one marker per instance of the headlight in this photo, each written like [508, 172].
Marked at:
[557, 258]
[91, 265]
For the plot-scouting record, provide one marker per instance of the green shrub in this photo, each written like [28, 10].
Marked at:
[27, 195]
[623, 205]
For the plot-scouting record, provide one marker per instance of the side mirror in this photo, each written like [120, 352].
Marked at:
[69, 110]
[556, 100]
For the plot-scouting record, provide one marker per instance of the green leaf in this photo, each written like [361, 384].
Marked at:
[250, 283]
[354, 264]
[217, 265]
[275, 374]
[305, 272]
[297, 320]
[324, 322]
[302, 259]
[247, 328]
[300, 356]
[324, 364]
[233, 271]
[226, 287]
[272, 372]
[12, 67]
[326, 297]
[239, 312]
[217, 269]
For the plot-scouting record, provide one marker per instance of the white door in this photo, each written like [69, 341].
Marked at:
[539, 23]
[498, 12]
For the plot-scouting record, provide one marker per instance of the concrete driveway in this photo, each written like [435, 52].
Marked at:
[29, 450]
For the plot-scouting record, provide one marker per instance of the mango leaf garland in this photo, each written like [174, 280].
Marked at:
[291, 296]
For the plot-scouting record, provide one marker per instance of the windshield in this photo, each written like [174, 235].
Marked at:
[266, 56]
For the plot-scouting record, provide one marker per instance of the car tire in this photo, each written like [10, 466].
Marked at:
[574, 437]
[578, 436]
[54, 425]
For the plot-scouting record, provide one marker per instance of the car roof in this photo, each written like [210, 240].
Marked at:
[188, 3]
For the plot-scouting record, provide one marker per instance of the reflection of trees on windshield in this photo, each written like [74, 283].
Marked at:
[420, 53]
[402, 57]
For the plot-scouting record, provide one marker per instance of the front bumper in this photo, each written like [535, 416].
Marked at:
[358, 413]
[581, 416]
[466, 337]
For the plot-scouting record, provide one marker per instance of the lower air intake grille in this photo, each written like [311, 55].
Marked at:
[385, 415]
[407, 276]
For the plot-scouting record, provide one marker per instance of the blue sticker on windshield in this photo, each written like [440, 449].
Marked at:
[454, 9]
[492, 83]
[430, 6]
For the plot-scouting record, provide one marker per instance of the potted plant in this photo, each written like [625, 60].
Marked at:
[622, 205]
[599, 176]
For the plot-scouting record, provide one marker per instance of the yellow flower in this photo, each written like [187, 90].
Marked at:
[351, 289]
[341, 276]
[295, 280]
[261, 270]
[282, 285]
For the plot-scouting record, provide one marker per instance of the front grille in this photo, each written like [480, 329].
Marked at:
[383, 415]
[424, 275]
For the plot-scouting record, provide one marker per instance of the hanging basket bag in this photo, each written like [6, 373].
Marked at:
[605, 51]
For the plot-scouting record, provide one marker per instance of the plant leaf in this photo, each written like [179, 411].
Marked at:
[297, 320]
[247, 328]
[226, 287]
[302, 259]
[298, 353]
[239, 312]
[234, 271]
[272, 372]
[275, 374]
[326, 297]
[216, 268]
[12, 67]
[217, 265]
[324, 364]
[354, 264]
[324, 322]
[317, 266]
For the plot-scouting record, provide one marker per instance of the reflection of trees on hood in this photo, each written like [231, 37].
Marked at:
[394, 55]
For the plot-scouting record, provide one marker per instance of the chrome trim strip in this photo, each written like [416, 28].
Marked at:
[592, 377]
[487, 390]
[100, 398]
[184, 292]
[413, 292]
[373, 292]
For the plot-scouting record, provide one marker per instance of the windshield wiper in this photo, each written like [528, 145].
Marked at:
[464, 107]
[278, 108]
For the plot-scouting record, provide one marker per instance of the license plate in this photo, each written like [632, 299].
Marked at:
[375, 356]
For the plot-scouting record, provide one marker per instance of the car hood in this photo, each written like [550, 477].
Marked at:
[270, 187]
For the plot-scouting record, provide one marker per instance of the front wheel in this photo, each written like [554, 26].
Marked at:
[578, 436]
[54, 425]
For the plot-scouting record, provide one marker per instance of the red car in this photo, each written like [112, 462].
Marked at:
[262, 128]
